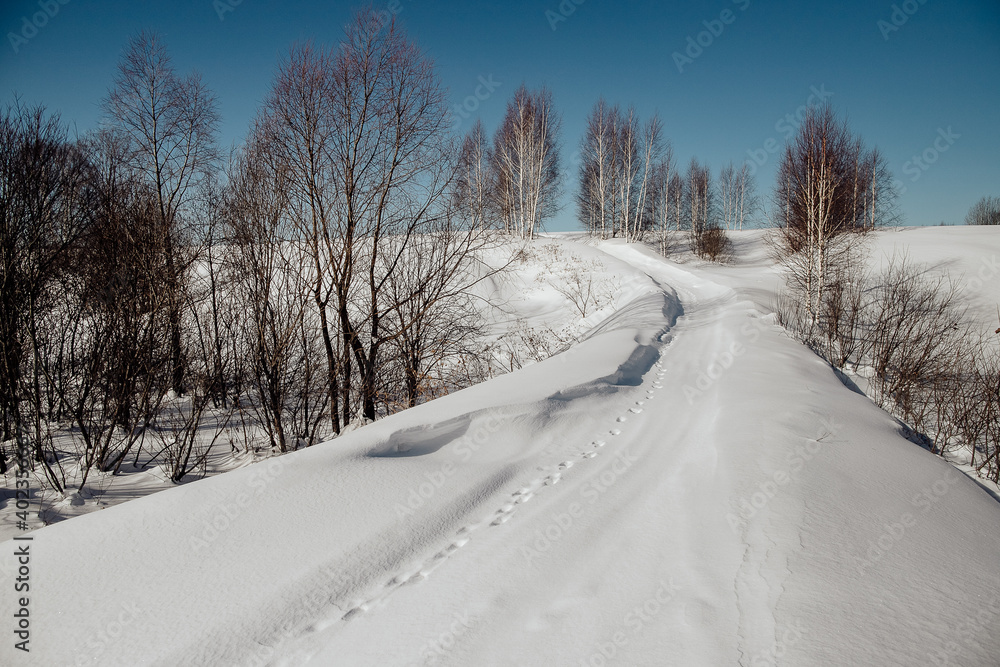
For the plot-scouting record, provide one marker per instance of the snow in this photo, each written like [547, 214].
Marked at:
[684, 485]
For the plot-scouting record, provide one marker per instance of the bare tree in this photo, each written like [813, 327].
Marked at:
[747, 202]
[727, 195]
[290, 394]
[596, 164]
[525, 159]
[474, 180]
[828, 186]
[675, 193]
[652, 148]
[708, 240]
[297, 131]
[357, 137]
[737, 195]
[627, 164]
[171, 124]
[395, 167]
[700, 202]
[661, 209]
[435, 316]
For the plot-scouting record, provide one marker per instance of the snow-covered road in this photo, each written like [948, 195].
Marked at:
[687, 486]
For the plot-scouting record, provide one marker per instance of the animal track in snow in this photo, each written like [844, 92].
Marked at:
[599, 443]
[504, 513]
[351, 613]
[635, 410]
[589, 455]
[621, 419]
[415, 575]
[640, 402]
[615, 431]
[565, 464]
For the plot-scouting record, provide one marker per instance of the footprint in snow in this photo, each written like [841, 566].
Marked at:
[524, 497]
[589, 455]
[359, 609]
[504, 513]
[640, 402]
[503, 518]
[565, 464]
[621, 419]
[599, 443]
[615, 431]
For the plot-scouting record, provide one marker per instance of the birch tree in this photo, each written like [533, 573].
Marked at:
[473, 180]
[828, 187]
[525, 159]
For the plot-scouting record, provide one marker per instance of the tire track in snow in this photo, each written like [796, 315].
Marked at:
[708, 308]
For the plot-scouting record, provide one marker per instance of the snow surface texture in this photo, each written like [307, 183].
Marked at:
[685, 486]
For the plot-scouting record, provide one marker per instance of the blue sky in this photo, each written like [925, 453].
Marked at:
[925, 87]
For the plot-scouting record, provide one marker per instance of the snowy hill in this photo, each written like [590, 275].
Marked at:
[686, 485]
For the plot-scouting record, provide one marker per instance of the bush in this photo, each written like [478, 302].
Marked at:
[928, 364]
[985, 212]
[712, 243]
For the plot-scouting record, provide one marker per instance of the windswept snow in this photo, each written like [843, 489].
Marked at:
[685, 485]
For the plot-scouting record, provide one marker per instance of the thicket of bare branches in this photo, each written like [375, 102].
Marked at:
[148, 308]
[44, 210]
[922, 355]
[986, 211]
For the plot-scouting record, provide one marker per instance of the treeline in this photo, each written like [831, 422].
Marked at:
[157, 294]
[630, 187]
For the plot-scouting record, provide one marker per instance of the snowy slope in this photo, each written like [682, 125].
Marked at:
[969, 255]
[686, 486]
